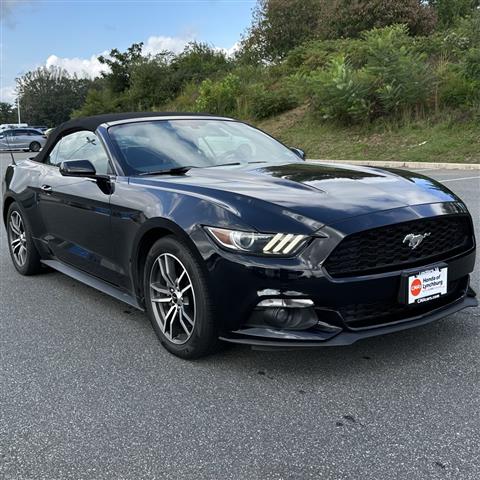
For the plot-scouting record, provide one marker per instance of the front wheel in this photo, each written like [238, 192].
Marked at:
[24, 254]
[178, 300]
[35, 147]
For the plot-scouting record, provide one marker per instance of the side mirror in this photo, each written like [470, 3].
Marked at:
[78, 168]
[299, 152]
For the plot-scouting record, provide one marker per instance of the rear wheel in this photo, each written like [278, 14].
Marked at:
[34, 147]
[178, 300]
[24, 254]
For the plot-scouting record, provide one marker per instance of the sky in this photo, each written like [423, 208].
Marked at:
[72, 33]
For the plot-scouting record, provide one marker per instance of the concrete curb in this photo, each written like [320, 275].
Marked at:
[421, 165]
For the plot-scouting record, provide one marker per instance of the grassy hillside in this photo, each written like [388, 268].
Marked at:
[450, 138]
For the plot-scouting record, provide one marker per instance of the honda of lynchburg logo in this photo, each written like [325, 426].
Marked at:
[415, 240]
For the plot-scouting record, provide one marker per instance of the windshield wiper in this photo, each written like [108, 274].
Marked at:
[223, 165]
[167, 171]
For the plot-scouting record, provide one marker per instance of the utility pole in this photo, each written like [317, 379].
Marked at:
[18, 110]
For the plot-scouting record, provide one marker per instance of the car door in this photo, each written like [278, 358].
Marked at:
[10, 140]
[20, 138]
[76, 211]
[3, 141]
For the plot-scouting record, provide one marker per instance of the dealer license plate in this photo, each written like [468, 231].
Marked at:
[427, 285]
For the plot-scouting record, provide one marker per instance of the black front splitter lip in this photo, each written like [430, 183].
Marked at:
[348, 337]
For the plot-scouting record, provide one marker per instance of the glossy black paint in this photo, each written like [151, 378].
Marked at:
[105, 226]
[78, 168]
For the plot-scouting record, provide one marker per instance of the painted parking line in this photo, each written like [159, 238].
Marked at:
[458, 179]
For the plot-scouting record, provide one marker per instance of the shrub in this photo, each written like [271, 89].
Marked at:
[184, 101]
[340, 92]
[219, 97]
[402, 77]
[263, 103]
[317, 54]
[471, 64]
[455, 89]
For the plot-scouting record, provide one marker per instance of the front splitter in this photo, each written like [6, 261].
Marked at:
[348, 337]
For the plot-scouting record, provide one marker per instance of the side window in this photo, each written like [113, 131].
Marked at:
[83, 145]
[52, 157]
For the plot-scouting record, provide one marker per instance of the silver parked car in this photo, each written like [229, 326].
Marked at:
[22, 139]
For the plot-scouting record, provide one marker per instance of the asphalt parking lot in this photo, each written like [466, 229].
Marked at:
[87, 392]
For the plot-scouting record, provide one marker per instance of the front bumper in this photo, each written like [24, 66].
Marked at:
[348, 308]
[344, 336]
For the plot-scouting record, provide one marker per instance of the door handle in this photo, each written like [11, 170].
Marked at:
[46, 188]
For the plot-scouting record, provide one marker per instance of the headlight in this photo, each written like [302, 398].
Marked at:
[259, 243]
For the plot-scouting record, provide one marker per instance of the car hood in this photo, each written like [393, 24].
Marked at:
[313, 193]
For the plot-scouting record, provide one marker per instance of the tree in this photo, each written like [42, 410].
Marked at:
[7, 113]
[197, 62]
[120, 66]
[448, 11]
[280, 25]
[351, 17]
[49, 95]
[151, 82]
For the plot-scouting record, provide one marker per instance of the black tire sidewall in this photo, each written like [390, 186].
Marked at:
[32, 264]
[33, 149]
[204, 337]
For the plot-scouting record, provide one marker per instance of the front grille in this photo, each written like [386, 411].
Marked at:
[368, 315]
[382, 249]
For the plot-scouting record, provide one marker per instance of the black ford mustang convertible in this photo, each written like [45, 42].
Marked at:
[220, 232]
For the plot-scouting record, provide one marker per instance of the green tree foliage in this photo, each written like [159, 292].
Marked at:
[449, 11]
[197, 62]
[7, 113]
[145, 82]
[280, 25]
[339, 92]
[219, 97]
[151, 83]
[402, 77]
[347, 59]
[393, 80]
[351, 17]
[49, 95]
[263, 102]
[120, 65]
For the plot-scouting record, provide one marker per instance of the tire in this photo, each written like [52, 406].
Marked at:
[169, 260]
[35, 147]
[20, 240]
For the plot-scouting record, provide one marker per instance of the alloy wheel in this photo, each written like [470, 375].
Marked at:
[18, 238]
[172, 298]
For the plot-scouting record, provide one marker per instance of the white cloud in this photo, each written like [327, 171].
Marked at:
[229, 52]
[159, 44]
[83, 67]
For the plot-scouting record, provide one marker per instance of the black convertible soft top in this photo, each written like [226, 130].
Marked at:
[92, 123]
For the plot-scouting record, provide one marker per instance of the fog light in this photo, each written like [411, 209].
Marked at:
[286, 303]
[284, 313]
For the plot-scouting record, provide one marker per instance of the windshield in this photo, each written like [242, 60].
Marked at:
[150, 146]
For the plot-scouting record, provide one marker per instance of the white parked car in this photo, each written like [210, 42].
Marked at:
[22, 139]
[10, 126]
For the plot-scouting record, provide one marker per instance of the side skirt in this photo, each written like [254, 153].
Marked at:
[94, 282]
